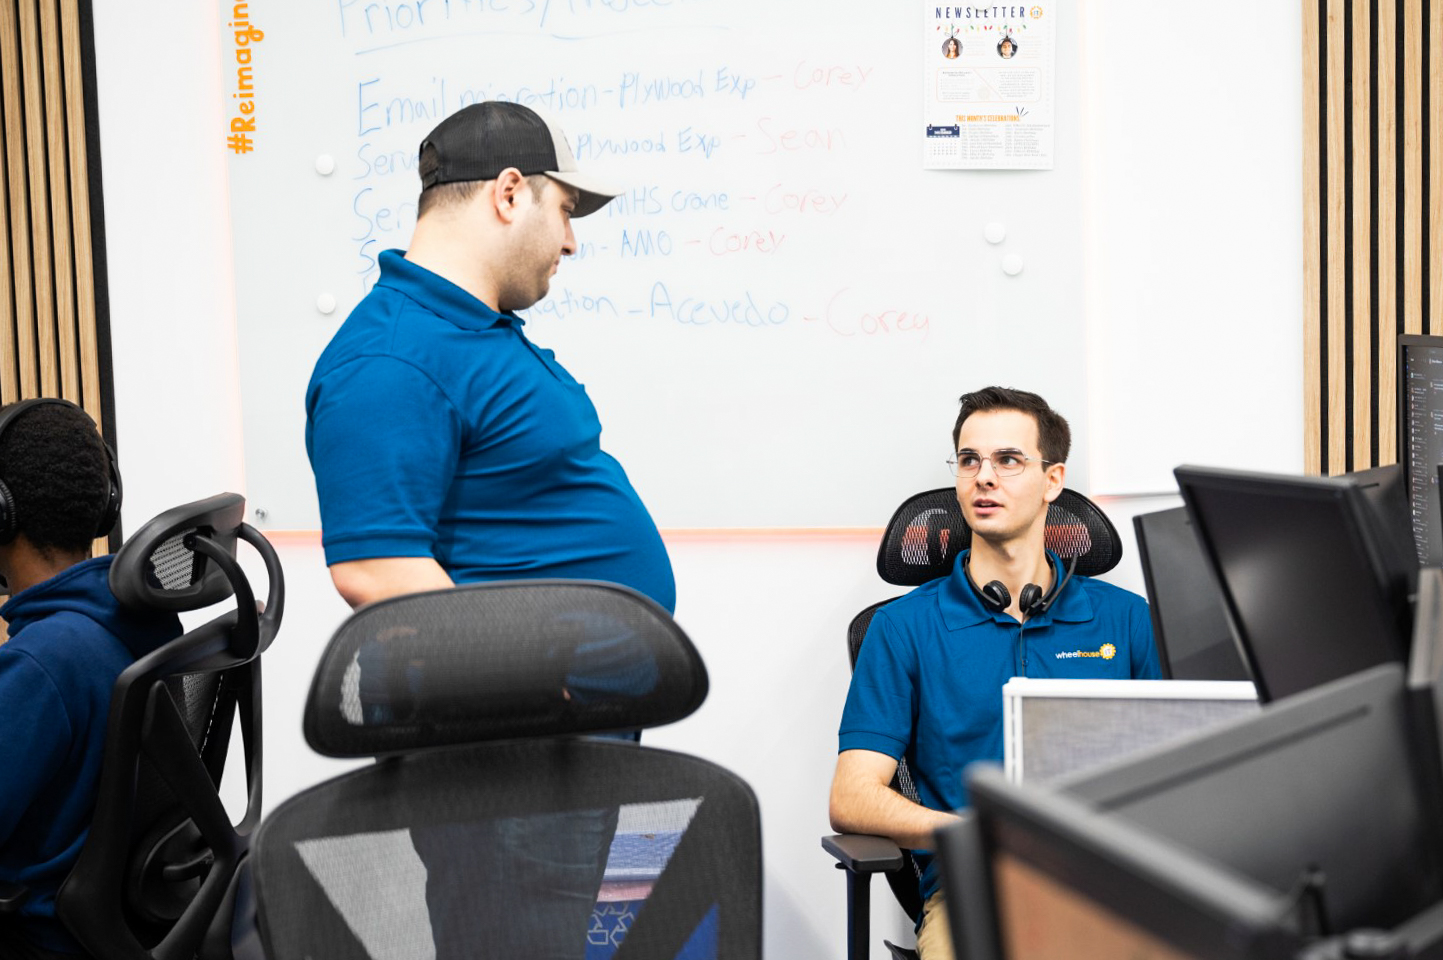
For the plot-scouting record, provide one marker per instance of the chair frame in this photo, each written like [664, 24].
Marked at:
[145, 722]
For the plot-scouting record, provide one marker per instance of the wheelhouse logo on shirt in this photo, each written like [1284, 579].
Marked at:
[1107, 651]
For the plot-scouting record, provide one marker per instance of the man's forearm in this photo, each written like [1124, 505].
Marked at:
[877, 809]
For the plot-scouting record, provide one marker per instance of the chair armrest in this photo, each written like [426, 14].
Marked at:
[12, 897]
[861, 853]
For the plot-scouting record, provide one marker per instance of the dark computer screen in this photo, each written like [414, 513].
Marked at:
[1189, 622]
[1056, 879]
[1420, 438]
[1207, 847]
[1313, 578]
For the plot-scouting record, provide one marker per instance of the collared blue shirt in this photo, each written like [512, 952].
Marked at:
[928, 681]
[435, 428]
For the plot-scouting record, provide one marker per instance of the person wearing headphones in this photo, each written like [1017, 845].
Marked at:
[929, 676]
[69, 639]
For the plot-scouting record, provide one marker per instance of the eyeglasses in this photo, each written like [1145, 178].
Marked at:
[1005, 463]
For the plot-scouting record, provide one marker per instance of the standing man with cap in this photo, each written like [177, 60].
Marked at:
[449, 448]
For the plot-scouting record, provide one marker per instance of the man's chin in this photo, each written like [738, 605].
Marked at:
[995, 530]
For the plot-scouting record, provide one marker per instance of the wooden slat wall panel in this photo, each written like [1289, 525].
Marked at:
[1312, 254]
[53, 328]
[36, 148]
[67, 355]
[1373, 182]
[9, 372]
[1361, 247]
[1336, 197]
[17, 183]
[88, 314]
[1386, 236]
[1413, 168]
[1435, 168]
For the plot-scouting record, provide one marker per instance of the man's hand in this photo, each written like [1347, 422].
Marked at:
[863, 801]
[366, 581]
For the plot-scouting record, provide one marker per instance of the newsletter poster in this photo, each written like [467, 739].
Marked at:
[987, 76]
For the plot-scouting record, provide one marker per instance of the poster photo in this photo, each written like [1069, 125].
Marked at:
[987, 79]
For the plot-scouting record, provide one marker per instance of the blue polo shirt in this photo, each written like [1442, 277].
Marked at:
[437, 429]
[928, 680]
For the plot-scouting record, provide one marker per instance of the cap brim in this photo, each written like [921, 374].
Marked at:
[593, 194]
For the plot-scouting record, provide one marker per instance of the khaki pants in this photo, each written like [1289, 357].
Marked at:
[934, 940]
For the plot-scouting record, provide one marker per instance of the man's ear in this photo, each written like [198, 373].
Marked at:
[506, 191]
[1056, 480]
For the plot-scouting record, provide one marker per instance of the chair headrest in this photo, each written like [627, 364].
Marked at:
[927, 532]
[158, 567]
[493, 661]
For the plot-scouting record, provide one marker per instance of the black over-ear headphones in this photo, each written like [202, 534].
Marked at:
[10, 521]
[1031, 603]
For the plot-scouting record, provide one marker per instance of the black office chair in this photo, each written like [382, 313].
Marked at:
[488, 826]
[157, 875]
[920, 544]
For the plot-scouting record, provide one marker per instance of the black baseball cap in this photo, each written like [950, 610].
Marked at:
[478, 141]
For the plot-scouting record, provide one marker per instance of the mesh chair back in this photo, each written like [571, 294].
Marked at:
[928, 531]
[486, 829]
[162, 855]
[857, 630]
[489, 661]
[569, 847]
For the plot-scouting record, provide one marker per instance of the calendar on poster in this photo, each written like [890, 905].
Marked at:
[987, 79]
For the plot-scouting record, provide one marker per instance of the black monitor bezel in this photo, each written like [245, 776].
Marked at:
[1357, 517]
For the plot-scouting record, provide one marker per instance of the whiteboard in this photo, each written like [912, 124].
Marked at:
[777, 317]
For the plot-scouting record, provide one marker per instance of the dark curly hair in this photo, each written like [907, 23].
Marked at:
[1054, 437]
[58, 471]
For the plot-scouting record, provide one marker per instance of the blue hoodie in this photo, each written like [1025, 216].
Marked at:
[69, 641]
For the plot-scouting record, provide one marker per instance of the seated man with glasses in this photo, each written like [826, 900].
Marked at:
[928, 681]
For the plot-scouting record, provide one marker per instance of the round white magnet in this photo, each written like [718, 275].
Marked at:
[1012, 264]
[995, 232]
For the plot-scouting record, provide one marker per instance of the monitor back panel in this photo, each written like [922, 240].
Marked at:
[1331, 779]
[1189, 622]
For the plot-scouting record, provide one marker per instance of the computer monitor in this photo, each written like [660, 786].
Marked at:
[1189, 623]
[1420, 438]
[1316, 817]
[1315, 582]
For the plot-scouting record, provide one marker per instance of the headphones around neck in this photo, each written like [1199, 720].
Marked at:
[9, 518]
[1032, 602]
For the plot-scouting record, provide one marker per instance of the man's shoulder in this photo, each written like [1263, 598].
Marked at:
[68, 651]
[389, 333]
[374, 327]
[1109, 596]
[67, 637]
[917, 604]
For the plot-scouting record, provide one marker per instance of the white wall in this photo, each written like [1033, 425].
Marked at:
[1192, 213]
[1192, 184]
